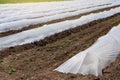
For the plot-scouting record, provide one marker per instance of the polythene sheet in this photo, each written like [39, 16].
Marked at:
[91, 61]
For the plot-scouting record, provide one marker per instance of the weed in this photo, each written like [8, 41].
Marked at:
[26, 59]
[67, 42]
[1, 60]
[12, 70]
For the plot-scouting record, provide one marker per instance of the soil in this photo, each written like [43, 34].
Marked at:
[36, 61]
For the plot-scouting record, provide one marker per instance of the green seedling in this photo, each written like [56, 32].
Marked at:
[1, 60]
[12, 70]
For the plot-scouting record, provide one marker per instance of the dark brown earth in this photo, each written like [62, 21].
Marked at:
[54, 21]
[36, 61]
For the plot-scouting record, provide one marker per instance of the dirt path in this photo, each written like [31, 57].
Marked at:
[36, 61]
[54, 21]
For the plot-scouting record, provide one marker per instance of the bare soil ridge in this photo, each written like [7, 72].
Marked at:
[36, 61]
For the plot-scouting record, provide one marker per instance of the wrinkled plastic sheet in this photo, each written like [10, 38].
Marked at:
[101, 54]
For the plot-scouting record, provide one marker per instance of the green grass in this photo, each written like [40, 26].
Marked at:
[24, 1]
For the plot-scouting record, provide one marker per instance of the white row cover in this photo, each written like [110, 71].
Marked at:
[48, 30]
[15, 25]
[24, 8]
[10, 17]
[92, 60]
